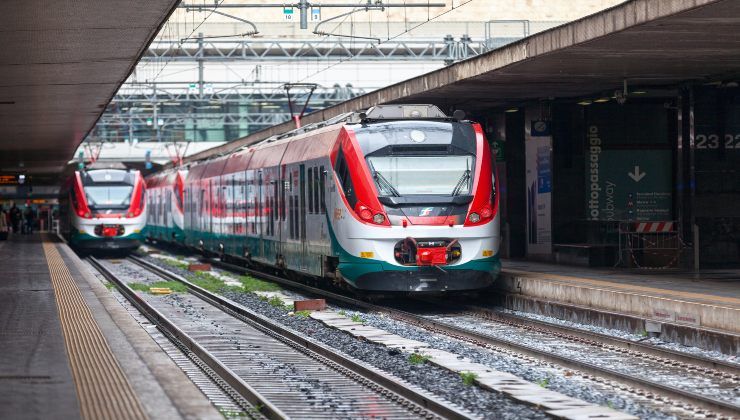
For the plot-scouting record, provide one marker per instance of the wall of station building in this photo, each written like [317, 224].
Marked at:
[572, 174]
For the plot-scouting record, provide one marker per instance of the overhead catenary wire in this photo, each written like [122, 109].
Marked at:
[195, 28]
[407, 30]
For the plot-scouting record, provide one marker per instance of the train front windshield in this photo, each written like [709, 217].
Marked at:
[422, 175]
[108, 197]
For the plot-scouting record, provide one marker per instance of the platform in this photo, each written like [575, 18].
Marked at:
[68, 345]
[701, 309]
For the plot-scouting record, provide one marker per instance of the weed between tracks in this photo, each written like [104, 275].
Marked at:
[418, 359]
[276, 302]
[176, 264]
[209, 282]
[251, 284]
[214, 284]
[468, 378]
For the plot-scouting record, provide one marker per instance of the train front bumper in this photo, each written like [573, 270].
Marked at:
[87, 241]
[383, 277]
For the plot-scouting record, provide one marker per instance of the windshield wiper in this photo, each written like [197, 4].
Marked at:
[463, 179]
[383, 182]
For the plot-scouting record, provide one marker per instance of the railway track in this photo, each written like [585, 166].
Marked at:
[277, 372]
[698, 373]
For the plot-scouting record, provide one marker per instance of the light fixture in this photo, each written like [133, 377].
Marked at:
[638, 92]
[585, 102]
[512, 110]
[601, 100]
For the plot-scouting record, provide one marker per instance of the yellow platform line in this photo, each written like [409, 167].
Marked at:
[103, 391]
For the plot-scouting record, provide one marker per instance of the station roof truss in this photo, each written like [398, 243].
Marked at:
[644, 42]
[260, 50]
[182, 107]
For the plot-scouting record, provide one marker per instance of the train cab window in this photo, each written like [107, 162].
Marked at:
[322, 188]
[342, 170]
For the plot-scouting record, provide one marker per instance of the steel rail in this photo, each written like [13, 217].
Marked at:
[602, 340]
[436, 407]
[259, 402]
[703, 401]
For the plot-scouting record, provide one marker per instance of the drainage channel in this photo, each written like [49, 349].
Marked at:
[281, 373]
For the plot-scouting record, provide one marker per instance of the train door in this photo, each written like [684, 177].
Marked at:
[302, 215]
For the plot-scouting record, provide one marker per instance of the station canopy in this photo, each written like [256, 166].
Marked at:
[644, 42]
[61, 62]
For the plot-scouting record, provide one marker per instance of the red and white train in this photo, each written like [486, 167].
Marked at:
[103, 209]
[401, 198]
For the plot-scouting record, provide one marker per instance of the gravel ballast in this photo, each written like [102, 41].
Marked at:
[439, 381]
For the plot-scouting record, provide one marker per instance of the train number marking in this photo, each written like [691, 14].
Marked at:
[367, 254]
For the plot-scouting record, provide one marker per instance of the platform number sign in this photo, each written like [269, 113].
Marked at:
[713, 141]
[288, 14]
[315, 14]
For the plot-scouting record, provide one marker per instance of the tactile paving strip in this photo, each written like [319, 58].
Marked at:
[102, 389]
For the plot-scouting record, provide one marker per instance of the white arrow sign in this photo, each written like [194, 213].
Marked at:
[637, 175]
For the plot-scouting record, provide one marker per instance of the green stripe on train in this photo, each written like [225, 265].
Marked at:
[353, 267]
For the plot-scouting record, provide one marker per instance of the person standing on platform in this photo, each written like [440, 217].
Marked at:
[30, 218]
[15, 218]
[3, 224]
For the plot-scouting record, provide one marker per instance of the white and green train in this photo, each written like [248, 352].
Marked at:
[401, 198]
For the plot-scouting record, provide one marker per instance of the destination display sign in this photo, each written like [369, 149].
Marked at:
[627, 185]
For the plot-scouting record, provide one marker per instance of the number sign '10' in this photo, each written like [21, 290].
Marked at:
[711, 141]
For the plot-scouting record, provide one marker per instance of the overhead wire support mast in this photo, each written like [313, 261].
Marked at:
[304, 5]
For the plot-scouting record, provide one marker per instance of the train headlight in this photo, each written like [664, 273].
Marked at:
[486, 212]
[378, 219]
[365, 213]
[474, 217]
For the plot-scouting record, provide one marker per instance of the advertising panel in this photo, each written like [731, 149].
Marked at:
[538, 150]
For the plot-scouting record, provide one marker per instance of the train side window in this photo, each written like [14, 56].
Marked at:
[322, 188]
[295, 217]
[316, 189]
[276, 194]
[310, 190]
[342, 170]
[282, 199]
[291, 208]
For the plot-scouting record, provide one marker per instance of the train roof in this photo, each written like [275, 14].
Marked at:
[289, 147]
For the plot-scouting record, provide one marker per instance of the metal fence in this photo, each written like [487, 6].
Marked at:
[650, 245]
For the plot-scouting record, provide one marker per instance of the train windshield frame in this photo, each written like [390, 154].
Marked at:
[108, 196]
[415, 175]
